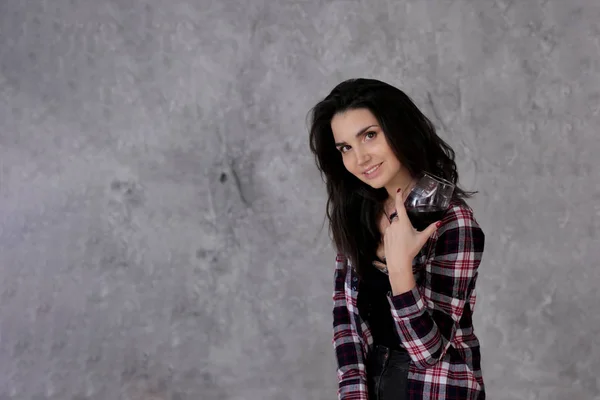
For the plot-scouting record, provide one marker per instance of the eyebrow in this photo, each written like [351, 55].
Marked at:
[363, 130]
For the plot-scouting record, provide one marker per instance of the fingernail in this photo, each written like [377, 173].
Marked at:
[398, 191]
[438, 224]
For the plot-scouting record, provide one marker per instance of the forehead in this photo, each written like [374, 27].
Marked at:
[346, 124]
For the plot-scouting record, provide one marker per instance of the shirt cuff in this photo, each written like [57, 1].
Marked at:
[406, 305]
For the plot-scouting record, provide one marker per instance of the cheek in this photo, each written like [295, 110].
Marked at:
[350, 165]
[393, 161]
[347, 163]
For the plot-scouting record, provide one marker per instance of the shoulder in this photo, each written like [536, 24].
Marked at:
[459, 231]
[459, 215]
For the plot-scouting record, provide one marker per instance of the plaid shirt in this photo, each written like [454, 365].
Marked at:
[433, 320]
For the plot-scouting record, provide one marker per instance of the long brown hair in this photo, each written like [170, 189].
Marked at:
[353, 206]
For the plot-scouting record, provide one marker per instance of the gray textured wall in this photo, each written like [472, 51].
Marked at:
[160, 213]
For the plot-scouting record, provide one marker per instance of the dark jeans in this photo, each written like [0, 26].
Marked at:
[387, 374]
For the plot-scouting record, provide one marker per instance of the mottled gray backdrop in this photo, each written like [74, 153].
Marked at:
[161, 218]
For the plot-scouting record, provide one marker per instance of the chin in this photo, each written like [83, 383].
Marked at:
[379, 186]
[376, 184]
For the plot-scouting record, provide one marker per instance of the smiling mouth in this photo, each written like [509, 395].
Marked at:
[372, 169]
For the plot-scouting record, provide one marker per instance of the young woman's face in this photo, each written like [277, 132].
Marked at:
[365, 150]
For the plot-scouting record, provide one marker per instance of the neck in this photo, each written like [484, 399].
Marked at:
[402, 181]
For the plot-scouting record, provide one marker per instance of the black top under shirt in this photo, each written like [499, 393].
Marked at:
[373, 307]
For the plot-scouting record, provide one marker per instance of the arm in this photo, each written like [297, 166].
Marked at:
[426, 327]
[352, 380]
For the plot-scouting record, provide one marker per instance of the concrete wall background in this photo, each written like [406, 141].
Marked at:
[160, 213]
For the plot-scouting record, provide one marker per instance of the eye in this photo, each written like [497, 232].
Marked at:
[371, 134]
[342, 149]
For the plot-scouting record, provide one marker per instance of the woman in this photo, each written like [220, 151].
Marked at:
[403, 299]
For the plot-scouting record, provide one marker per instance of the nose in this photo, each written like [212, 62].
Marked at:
[362, 157]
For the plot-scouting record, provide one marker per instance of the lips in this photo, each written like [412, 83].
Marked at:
[371, 170]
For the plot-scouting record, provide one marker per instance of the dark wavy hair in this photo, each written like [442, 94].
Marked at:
[352, 205]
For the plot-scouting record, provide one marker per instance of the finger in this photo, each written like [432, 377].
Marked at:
[388, 221]
[385, 232]
[379, 265]
[429, 231]
[400, 209]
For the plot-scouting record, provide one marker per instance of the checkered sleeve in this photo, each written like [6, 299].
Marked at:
[428, 316]
[350, 365]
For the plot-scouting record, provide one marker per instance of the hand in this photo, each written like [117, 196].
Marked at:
[401, 240]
